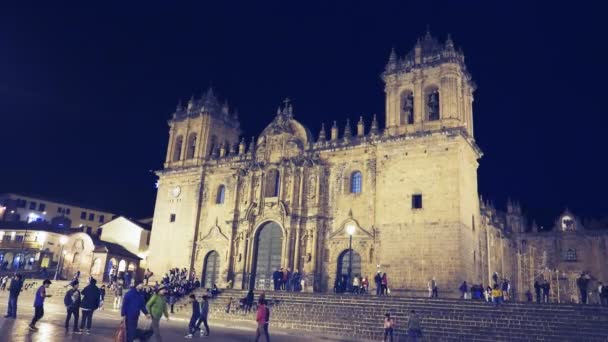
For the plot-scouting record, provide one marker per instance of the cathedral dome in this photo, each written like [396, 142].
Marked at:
[284, 136]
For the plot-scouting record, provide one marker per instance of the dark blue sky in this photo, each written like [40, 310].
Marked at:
[85, 91]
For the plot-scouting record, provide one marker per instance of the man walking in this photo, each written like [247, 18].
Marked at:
[203, 316]
[14, 290]
[157, 307]
[414, 329]
[90, 302]
[117, 295]
[39, 303]
[378, 281]
[583, 282]
[196, 313]
[132, 305]
[72, 305]
[434, 289]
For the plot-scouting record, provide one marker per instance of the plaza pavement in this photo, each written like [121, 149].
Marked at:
[105, 322]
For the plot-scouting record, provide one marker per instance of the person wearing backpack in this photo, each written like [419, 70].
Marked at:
[262, 317]
[72, 305]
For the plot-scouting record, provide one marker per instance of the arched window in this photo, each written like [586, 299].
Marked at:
[272, 183]
[221, 194]
[177, 149]
[432, 103]
[407, 108]
[191, 146]
[355, 182]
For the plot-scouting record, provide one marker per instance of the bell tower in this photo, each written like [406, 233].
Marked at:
[428, 89]
[199, 130]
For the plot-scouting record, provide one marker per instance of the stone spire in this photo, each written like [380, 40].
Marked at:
[347, 132]
[334, 132]
[322, 136]
[449, 44]
[374, 129]
[392, 61]
[242, 147]
[360, 127]
[252, 145]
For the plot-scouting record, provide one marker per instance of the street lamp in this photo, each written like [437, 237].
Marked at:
[350, 230]
[62, 240]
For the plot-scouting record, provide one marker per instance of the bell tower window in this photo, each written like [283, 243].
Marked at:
[191, 146]
[407, 108]
[432, 103]
[221, 195]
[355, 182]
[177, 150]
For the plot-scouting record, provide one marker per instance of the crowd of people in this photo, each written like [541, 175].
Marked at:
[284, 279]
[360, 284]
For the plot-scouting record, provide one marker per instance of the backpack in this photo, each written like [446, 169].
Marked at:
[67, 300]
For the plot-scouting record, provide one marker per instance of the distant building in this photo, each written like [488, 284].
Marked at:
[30, 246]
[34, 246]
[19, 207]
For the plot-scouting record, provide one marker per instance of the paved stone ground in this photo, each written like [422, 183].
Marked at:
[106, 321]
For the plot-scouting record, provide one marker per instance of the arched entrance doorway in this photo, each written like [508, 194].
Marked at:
[342, 269]
[211, 269]
[267, 255]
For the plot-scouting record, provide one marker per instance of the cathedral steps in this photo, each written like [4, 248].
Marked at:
[360, 316]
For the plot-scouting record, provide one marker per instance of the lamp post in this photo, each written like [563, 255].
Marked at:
[350, 230]
[62, 241]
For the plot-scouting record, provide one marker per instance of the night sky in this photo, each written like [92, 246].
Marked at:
[85, 92]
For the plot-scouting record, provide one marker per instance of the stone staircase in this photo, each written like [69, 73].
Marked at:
[361, 317]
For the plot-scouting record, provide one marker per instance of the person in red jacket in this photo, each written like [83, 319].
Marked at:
[262, 317]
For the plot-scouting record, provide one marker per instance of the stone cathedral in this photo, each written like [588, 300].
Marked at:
[234, 211]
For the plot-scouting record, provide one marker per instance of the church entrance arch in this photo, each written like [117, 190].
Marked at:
[342, 269]
[211, 269]
[267, 255]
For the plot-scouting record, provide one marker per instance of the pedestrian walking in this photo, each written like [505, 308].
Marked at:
[102, 296]
[204, 315]
[378, 282]
[434, 288]
[117, 296]
[39, 303]
[414, 328]
[262, 317]
[537, 289]
[464, 288]
[13, 295]
[583, 282]
[496, 295]
[389, 323]
[132, 305]
[90, 302]
[196, 314]
[157, 307]
[72, 306]
[356, 284]
[384, 281]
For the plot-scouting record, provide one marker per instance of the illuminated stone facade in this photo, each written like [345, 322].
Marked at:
[235, 210]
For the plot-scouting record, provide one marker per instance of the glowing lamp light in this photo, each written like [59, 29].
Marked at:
[350, 229]
[42, 237]
[13, 235]
[44, 213]
[12, 211]
[62, 240]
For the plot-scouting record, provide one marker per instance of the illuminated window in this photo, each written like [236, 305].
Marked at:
[355, 182]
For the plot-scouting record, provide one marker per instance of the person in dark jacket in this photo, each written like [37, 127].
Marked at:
[89, 303]
[196, 314]
[203, 317]
[72, 305]
[132, 305]
[15, 289]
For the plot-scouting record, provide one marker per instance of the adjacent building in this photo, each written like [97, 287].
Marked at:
[20, 207]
